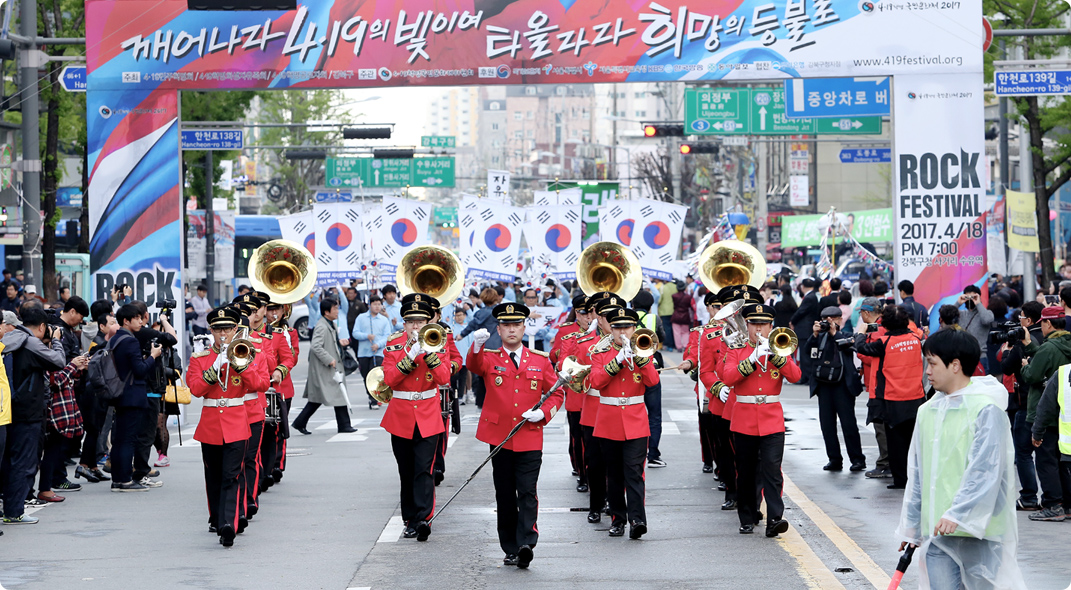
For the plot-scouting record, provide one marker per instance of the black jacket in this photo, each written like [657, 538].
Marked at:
[1012, 364]
[155, 381]
[132, 365]
[826, 345]
[808, 313]
[831, 300]
[29, 360]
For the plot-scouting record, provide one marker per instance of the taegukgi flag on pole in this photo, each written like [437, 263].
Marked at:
[554, 234]
[339, 240]
[490, 238]
[657, 236]
[300, 229]
[403, 223]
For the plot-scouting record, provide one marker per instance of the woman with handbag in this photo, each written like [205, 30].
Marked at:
[176, 393]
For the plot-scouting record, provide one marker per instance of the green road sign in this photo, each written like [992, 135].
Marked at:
[390, 172]
[760, 111]
[444, 216]
[438, 141]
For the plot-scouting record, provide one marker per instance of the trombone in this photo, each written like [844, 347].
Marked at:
[240, 353]
[644, 342]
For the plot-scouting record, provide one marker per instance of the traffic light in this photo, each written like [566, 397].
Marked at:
[305, 154]
[688, 149]
[393, 153]
[663, 130]
[366, 133]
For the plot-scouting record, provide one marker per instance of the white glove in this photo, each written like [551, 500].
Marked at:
[592, 326]
[626, 344]
[479, 337]
[533, 415]
[621, 356]
[221, 359]
[759, 352]
[724, 395]
[415, 350]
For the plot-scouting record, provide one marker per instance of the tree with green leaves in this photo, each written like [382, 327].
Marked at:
[210, 106]
[1047, 118]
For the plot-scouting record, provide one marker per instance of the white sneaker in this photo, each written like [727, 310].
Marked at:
[150, 483]
[162, 461]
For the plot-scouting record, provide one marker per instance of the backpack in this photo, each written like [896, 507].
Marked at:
[103, 374]
[828, 368]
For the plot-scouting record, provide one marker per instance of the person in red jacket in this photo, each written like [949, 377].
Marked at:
[516, 378]
[621, 424]
[710, 352]
[277, 315]
[224, 426]
[249, 306]
[414, 416]
[564, 347]
[898, 391]
[277, 361]
[758, 422]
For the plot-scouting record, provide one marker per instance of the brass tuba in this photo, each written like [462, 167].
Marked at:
[376, 387]
[431, 270]
[731, 262]
[284, 270]
[783, 342]
[643, 342]
[736, 329]
[606, 266]
[240, 350]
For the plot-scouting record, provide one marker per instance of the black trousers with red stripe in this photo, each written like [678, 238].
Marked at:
[625, 489]
[223, 468]
[726, 456]
[416, 458]
[251, 466]
[576, 446]
[269, 442]
[758, 468]
[515, 475]
[709, 444]
[595, 468]
[284, 433]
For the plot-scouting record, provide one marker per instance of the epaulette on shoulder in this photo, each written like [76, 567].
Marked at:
[713, 334]
[540, 353]
[602, 345]
[736, 346]
[200, 353]
[494, 350]
[255, 339]
[697, 329]
[278, 330]
[266, 335]
[585, 337]
[567, 324]
[395, 335]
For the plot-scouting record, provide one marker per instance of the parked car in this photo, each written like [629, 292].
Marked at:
[299, 320]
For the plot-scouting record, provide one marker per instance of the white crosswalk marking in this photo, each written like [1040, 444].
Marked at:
[683, 415]
[392, 531]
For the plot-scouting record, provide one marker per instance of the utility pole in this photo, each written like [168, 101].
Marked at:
[31, 148]
[210, 228]
[1026, 185]
[761, 169]
[1005, 163]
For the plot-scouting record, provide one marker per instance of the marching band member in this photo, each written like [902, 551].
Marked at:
[277, 315]
[621, 424]
[224, 427]
[414, 417]
[251, 310]
[578, 325]
[516, 378]
[689, 363]
[277, 359]
[564, 347]
[758, 420]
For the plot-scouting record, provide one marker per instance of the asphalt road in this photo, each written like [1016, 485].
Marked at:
[333, 523]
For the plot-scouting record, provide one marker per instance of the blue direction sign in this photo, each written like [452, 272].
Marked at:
[334, 197]
[1032, 83]
[866, 156]
[73, 78]
[211, 139]
[836, 97]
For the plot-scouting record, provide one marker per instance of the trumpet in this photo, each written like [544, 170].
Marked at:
[376, 386]
[240, 350]
[644, 342]
[432, 338]
[783, 342]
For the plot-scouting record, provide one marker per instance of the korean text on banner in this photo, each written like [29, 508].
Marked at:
[300, 229]
[872, 225]
[554, 233]
[541, 317]
[402, 224]
[339, 239]
[1022, 222]
[498, 185]
[490, 238]
[799, 195]
[939, 195]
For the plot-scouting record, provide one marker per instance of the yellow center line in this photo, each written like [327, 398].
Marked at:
[855, 554]
[815, 574]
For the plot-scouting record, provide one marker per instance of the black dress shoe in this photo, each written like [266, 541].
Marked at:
[896, 486]
[776, 528]
[510, 559]
[409, 533]
[606, 510]
[212, 529]
[831, 466]
[856, 467]
[300, 429]
[721, 487]
[524, 556]
[594, 517]
[346, 430]
[637, 530]
[747, 529]
[86, 474]
[708, 468]
[439, 477]
[729, 505]
[423, 529]
[617, 529]
[575, 473]
[226, 535]
[100, 475]
[758, 517]
[251, 511]
[582, 487]
[243, 523]
[277, 475]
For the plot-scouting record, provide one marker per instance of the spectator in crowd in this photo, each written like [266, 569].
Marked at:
[10, 301]
[133, 411]
[325, 372]
[836, 383]
[830, 300]
[392, 306]
[156, 383]
[768, 293]
[63, 423]
[801, 322]
[915, 310]
[785, 308]
[483, 319]
[881, 289]
[683, 315]
[244, 289]
[1043, 362]
[975, 318]
[94, 409]
[459, 382]
[10, 280]
[665, 311]
[30, 359]
[201, 306]
[948, 317]
[121, 295]
[1012, 364]
[370, 332]
[474, 300]
[531, 301]
[898, 391]
[844, 302]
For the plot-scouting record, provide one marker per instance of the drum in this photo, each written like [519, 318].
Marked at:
[274, 411]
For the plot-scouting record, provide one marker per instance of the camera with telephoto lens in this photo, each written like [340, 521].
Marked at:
[1010, 332]
[166, 306]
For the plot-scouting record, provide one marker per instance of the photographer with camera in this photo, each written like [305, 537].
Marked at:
[1011, 363]
[975, 318]
[1044, 360]
[121, 295]
[155, 385]
[836, 383]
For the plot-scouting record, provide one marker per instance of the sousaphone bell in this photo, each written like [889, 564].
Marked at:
[286, 271]
[431, 270]
[606, 266]
[731, 262]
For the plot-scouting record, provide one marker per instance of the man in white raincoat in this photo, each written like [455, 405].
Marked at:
[959, 506]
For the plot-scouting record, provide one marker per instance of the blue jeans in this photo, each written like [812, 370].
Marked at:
[981, 560]
[652, 398]
[1024, 459]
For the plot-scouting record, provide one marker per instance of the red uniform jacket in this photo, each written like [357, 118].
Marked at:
[510, 392]
[617, 381]
[574, 400]
[266, 360]
[590, 408]
[288, 339]
[222, 425]
[712, 351]
[563, 331]
[451, 350]
[403, 417]
[748, 379]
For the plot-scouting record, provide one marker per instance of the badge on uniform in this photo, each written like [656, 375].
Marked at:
[427, 376]
[535, 385]
[498, 379]
[236, 380]
[774, 373]
[637, 377]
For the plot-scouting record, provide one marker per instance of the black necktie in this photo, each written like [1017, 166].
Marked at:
[513, 357]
